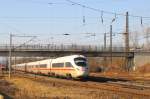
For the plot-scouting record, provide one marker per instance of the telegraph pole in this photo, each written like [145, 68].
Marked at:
[10, 47]
[127, 42]
[110, 45]
[105, 59]
[105, 41]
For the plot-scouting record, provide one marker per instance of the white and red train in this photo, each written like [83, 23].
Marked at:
[74, 66]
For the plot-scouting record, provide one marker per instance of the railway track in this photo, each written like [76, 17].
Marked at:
[123, 88]
[132, 85]
[127, 77]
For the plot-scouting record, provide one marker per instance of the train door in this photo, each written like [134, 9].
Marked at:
[38, 68]
[50, 67]
[25, 68]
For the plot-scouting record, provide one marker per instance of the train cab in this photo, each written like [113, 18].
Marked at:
[81, 66]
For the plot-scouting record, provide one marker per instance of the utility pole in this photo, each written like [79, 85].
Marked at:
[10, 47]
[10, 50]
[105, 59]
[127, 42]
[105, 41]
[110, 49]
[15, 64]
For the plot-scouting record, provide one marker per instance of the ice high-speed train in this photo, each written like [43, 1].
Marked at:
[73, 66]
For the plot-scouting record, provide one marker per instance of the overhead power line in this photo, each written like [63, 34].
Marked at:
[56, 17]
[32, 39]
[102, 11]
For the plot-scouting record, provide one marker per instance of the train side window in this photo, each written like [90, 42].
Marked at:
[36, 66]
[68, 64]
[29, 66]
[43, 65]
[58, 65]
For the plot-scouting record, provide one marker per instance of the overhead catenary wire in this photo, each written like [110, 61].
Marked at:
[94, 9]
[101, 11]
[98, 10]
[72, 3]
[87, 7]
[42, 2]
[33, 37]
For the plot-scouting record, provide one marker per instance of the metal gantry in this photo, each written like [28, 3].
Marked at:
[10, 51]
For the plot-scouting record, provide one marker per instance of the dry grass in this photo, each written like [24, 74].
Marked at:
[96, 63]
[29, 89]
[144, 69]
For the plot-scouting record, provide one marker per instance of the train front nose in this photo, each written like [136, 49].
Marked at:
[83, 72]
[84, 69]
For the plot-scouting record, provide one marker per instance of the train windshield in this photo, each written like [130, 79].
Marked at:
[80, 62]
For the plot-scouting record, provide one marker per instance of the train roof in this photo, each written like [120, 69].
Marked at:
[59, 58]
[71, 56]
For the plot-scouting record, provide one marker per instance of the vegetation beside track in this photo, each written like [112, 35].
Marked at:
[53, 88]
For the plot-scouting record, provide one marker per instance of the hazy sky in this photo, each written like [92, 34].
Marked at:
[49, 19]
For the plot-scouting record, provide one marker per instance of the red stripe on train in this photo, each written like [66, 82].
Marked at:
[51, 69]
